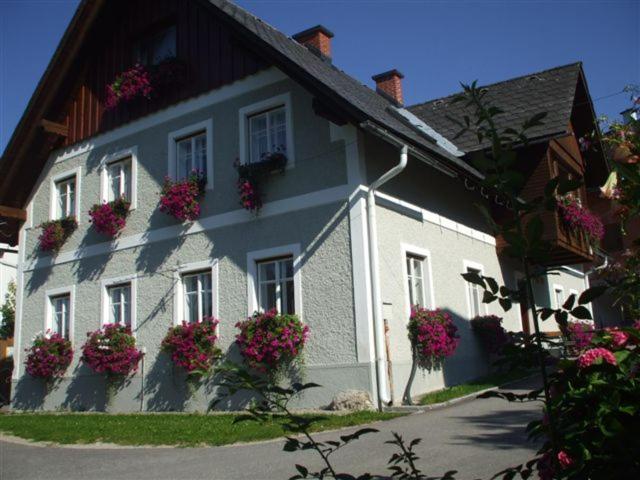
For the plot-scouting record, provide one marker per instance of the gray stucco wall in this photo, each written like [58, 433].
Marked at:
[321, 231]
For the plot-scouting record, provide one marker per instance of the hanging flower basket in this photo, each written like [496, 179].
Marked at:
[55, 233]
[271, 341]
[251, 177]
[181, 199]
[49, 357]
[491, 332]
[576, 217]
[111, 350]
[433, 336]
[109, 218]
[193, 346]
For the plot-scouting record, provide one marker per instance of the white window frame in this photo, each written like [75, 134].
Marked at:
[555, 289]
[466, 265]
[75, 173]
[178, 288]
[204, 126]
[283, 100]
[48, 308]
[411, 250]
[132, 280]
[107, 160]
[256, 256]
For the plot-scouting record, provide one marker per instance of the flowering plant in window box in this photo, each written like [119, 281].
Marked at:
[270, 341]
[55, 233]
[181, 199]
[576, 217]
[433, 336]
[251, 177]
[491, 332]
[49, 356]
[111, 350]
[110, 217]
[193, 346]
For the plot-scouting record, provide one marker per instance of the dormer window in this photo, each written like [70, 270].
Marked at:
[159, 46]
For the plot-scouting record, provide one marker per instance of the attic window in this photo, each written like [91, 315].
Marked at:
[156, 47]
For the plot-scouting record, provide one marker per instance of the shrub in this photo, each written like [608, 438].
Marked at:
[55, 233]
[270, 341]
[49, 356]
[109, 218]
[181, 199]
[192, 346]
[491, 332]
[433, 335]
[111, 350]
[595, 403]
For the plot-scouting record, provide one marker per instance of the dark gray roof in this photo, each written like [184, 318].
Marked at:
[552, 91]
[369, 104]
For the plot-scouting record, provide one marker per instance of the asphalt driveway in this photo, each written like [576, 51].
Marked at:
[477, 438]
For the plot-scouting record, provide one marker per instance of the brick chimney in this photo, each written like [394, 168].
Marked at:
[317, 39]
[389, 85]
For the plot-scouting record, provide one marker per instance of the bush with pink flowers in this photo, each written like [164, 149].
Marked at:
[491, 332]
[193, 346]
[109, 218]
[580, 334]
[181, 199]
[111, 350]
[433, 335]
[576, 217]
[49, 357]
[55, 233]
[271, 341]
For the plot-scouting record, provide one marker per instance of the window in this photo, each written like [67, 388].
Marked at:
[191, 148]
[275, 285]
[191, 154]
[120, 304]
[416, 280]
[558, 294]
[267, 127]
[155, 48]
[61, 315]
[119, 180]
[267, 133]
[197, 295]
[65, 197]
[474, 295]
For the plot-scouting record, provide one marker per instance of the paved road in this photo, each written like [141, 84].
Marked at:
[478, 438]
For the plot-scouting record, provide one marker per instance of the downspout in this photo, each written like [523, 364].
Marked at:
[384, 396]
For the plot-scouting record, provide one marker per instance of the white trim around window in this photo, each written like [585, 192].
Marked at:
[427, 284]
[555, 290]
[178, 287]
[76, 174]
[256, 256]
[204, 126]
[466, 265]
[107, 160]
[283, 100]
[106, 284]
[53, 293]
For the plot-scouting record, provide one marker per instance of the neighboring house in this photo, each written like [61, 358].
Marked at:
[348, 258]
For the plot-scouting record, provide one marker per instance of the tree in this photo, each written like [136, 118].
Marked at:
[8, 312]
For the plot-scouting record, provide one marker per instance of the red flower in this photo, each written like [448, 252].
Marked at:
[181, 199]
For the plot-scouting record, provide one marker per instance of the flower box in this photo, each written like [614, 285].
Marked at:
[576, 217]
[433, 336]
[111, 350]
[193, 346]
[55, 233]
[251, 177]
[181, 199]
[110, 218]
[49, 357]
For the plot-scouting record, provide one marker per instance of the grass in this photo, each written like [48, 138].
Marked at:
[494, 380]
[185, 430]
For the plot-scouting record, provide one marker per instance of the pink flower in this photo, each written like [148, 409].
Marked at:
[577, 217]
[564, 459]
[433, 334]
[180, 199]
[110, 218]
[112, 350]
[618, 338]
[590, 356]
[130, 84]
[581, 333]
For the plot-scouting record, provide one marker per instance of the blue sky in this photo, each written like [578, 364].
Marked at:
[436, 44]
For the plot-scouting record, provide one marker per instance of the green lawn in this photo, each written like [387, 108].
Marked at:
[494, 380]
[162, 429]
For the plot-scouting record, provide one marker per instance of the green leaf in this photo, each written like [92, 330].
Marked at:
[304, 471]
[568, 304]
[493, 285]
[505, 303]
[474, 277]
[546, 313]
[592, 293]
[488, 297]
[581, 313]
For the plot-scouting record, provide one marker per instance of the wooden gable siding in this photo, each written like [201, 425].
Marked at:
[212, 55]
